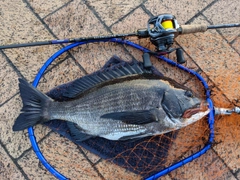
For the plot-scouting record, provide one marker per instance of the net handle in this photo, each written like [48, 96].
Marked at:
[58, 175]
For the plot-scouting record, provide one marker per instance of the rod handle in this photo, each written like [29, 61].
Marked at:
[188, 29]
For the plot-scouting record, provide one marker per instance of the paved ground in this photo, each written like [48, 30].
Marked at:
[215, 54]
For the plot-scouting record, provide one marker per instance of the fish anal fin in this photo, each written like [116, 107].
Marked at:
[77, 133]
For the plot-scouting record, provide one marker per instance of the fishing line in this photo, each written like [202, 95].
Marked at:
[60, 176]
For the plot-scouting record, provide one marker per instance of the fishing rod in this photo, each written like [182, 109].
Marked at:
[161, 30]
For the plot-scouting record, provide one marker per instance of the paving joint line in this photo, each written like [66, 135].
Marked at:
[221, 34]
[91, 163]
[126, 15]
[56, 64]
[146, 10]
[51, 32]
[195, 63]
[200, 12]
[96, 15]
[14, 161]
[52, 67]
[11, 64]
[192, 77]
[51, 13]
[231, 171]
[103, 23]
[233, 41]
[199, 68]
[29, 149]
[98, 161]
[5, 102]
[209, 79]
[237, 171]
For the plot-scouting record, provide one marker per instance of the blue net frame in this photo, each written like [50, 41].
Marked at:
[60, 176]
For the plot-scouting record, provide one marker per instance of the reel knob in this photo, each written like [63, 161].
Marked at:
[180, 57]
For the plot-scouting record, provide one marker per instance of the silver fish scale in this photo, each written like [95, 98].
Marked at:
[127, 96]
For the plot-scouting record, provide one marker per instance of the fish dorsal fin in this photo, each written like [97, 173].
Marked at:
[115, 71]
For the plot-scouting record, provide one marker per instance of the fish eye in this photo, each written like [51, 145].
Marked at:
[188, 93]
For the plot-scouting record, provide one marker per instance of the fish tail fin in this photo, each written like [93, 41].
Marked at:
[35, 105]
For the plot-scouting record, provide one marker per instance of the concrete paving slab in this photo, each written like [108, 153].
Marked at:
[111, 11]
[228, 128]
[236, 44]
[29, 60]
[66, 24]
[63, 155]
[44, 8]
[62, 73]
[93, 56]
[224, 12]
[91, 156]
[208, 166]
[8, 80]
[112, 171]
[8, 169]
[16, 142]
[215, 57]
[136, 20]
[19, 25]
[183, 9]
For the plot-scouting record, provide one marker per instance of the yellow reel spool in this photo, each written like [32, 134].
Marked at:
[167, 24]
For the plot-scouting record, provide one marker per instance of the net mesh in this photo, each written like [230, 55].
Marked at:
[146, 156]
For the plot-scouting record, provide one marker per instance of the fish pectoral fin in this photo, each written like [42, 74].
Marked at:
[134, 117]
[77, 133]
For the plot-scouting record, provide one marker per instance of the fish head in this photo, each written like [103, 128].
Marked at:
[183, 106]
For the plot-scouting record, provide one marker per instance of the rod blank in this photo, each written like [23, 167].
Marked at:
[49, 42]
[184, 29]
[223, 26]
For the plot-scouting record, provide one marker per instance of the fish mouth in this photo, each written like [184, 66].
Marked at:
[201, 107]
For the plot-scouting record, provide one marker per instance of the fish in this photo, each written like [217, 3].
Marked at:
[120, 103]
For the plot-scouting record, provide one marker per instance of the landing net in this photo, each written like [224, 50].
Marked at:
[150, 157]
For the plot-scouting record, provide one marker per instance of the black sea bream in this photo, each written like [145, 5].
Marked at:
[117, 105]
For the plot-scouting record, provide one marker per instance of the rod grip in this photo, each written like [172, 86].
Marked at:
[188, 29]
